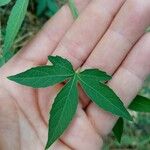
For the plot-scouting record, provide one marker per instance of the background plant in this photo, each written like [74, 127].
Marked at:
[32, 23]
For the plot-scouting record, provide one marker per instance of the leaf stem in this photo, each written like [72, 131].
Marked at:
[78, 70]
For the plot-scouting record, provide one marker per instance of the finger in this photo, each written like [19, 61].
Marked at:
[82, 37]
[43, 44]
[52, 32]
[33, 54]
[127, 27]
[81, 135]
[59, 146]
[126, 82]
[9, 127]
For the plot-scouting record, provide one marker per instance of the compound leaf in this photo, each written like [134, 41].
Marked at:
[66, 101]
[63, 111]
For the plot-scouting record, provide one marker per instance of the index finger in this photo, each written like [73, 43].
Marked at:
[43, 44]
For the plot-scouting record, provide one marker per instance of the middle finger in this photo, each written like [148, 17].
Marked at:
[87, 30]
[126, 29]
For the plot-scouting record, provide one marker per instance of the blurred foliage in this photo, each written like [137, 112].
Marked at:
[136, 135]
[32, 22]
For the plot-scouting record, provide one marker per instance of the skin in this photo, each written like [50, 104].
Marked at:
[108, 35]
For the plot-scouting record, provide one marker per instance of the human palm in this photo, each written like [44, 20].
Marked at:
[108, 35]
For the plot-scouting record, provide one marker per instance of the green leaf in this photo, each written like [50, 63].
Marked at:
[44, 76]
[63, 111]
[41, 6]
[140, 104]
[148, 29]
[4, 2]
[14, 23]
[73, 9]
[2, 61]
[49, 13]
[66, 101]
[103, 96]
[118, 129]
[96, 74]
[5, 58]
[8, 55]
[52, 5]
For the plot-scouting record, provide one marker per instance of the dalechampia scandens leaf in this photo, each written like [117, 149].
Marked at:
[66, 101]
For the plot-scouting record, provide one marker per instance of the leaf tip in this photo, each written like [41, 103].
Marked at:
[47, 146]
[10, 78]
[118, 139]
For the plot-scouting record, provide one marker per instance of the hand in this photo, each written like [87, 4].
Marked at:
[109, 34]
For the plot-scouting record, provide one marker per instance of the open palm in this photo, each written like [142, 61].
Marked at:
[108, 35]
